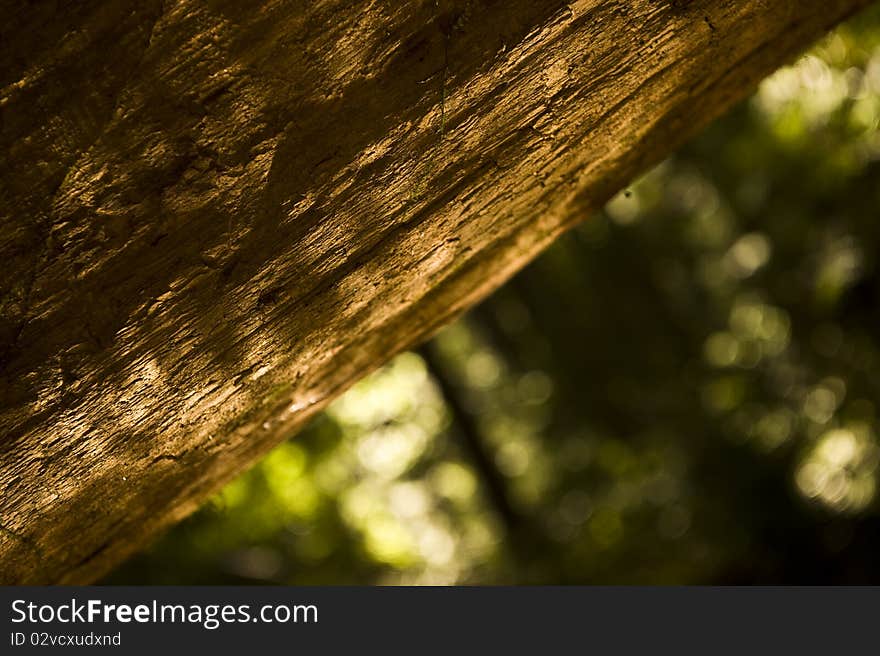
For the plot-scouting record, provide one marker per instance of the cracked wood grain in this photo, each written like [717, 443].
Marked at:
[215, 215]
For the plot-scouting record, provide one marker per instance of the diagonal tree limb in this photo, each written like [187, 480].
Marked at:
[214, 216]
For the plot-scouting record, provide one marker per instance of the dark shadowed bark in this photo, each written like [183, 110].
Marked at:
[215, 215]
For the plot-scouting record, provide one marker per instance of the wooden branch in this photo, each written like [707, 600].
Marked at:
[214, 216]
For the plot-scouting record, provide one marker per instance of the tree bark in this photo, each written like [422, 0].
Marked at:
[217, 214]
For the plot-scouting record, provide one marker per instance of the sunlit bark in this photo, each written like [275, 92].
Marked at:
[214, 216]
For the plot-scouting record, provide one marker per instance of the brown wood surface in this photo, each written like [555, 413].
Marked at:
[215, 215]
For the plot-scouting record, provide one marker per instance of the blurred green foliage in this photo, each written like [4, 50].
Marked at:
[682, 390]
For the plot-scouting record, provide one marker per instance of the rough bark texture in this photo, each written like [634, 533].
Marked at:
[217, 214]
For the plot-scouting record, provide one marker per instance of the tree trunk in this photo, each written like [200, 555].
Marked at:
[217, 214]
